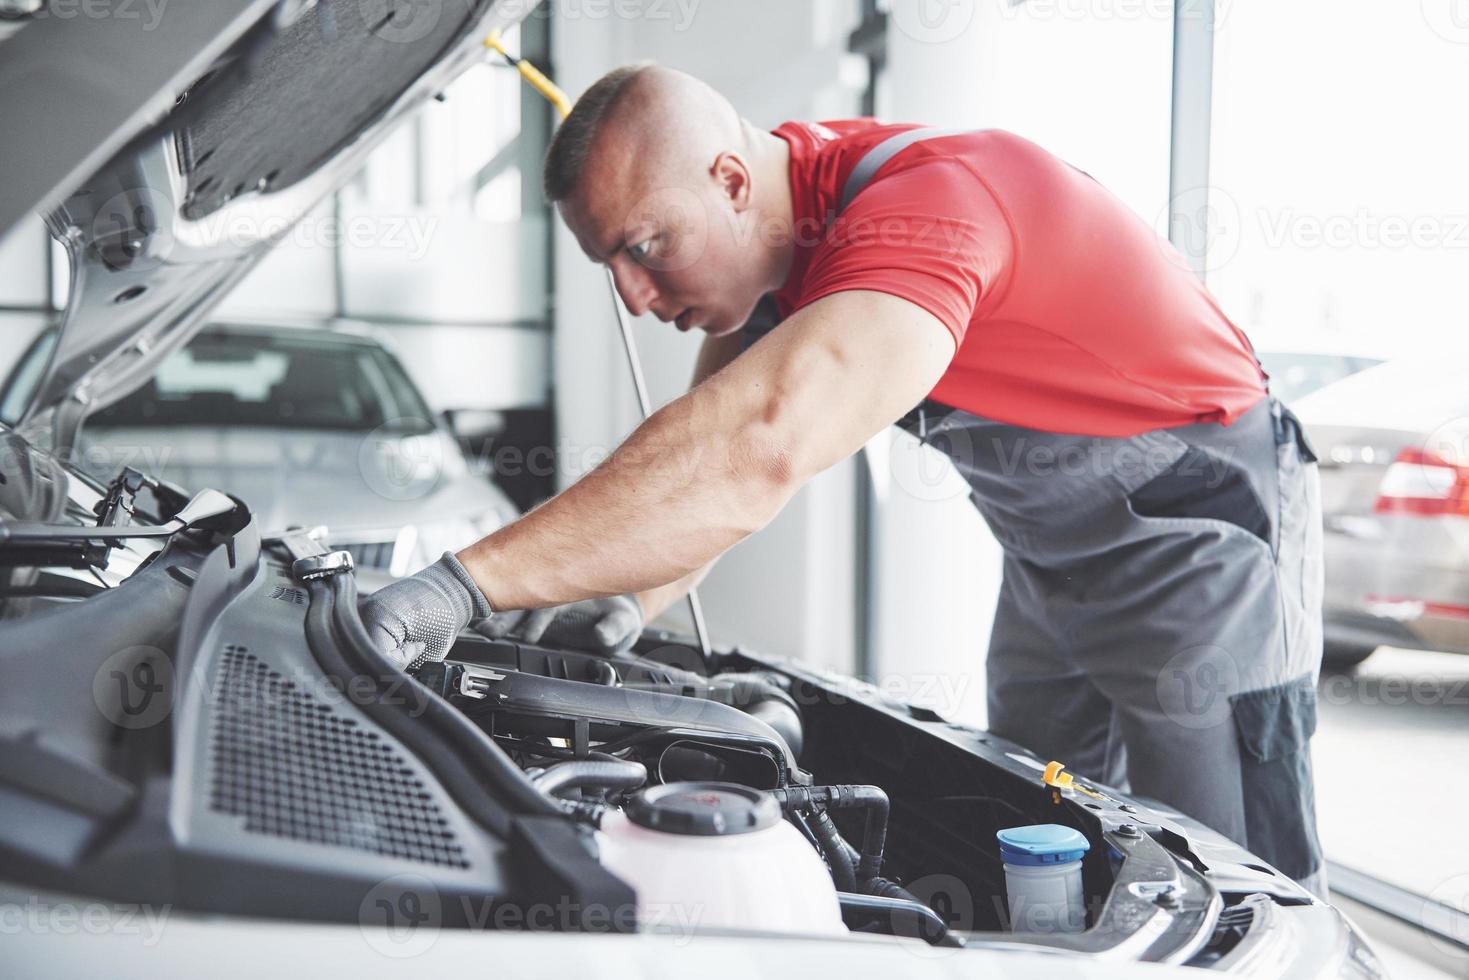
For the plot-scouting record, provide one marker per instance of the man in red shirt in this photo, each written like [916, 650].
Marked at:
[1159, 622]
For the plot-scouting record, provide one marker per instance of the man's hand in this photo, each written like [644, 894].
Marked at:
[607, 626]
[415, 619]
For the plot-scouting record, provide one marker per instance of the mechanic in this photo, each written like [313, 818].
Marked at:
[1159, 623]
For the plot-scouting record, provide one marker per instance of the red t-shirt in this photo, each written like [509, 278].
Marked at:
[1070, 314]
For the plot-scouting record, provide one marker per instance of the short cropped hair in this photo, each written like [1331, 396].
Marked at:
[572, 144]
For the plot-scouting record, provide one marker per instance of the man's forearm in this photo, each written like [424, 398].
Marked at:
[691, 482]
[717, 465]
[714, 354]
[656, 601]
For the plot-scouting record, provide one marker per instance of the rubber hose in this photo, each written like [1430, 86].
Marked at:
[591, 774]
[835, 850]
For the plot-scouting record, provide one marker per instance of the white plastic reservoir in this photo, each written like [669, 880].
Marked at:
[718, 855]
[1043, 877]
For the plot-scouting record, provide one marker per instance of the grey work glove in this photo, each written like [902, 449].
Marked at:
[607, 626]
[415, 619]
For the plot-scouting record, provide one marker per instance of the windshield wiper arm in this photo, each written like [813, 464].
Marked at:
[35, 542]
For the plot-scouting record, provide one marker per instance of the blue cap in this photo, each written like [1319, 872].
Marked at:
[1043, 843]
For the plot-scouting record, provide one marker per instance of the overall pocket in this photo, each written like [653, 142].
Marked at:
[1274, 726]
[1204, 486]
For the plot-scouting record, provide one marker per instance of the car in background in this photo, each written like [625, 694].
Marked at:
[1393, 443]
[310, 426]
[1302, 363]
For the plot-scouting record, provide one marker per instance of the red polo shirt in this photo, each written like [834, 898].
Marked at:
[1069, 312]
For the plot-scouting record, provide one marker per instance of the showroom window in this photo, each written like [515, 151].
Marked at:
[1338, 237]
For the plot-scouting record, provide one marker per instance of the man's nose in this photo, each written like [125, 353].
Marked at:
[634, 285]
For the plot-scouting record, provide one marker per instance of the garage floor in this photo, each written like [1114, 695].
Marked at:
[1390, 754]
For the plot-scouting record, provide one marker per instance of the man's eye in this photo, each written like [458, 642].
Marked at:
[642, 250]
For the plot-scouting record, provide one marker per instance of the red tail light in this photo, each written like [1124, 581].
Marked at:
[1423, 483]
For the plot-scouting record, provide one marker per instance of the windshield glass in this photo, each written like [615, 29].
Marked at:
[275, 380]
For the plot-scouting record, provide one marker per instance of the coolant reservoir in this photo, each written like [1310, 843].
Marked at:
[718, 855]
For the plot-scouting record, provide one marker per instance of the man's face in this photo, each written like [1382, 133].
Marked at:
[683, 250]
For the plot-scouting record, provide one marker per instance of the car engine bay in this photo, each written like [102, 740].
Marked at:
[216, 731]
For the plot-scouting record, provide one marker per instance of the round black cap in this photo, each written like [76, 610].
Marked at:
[703, 809]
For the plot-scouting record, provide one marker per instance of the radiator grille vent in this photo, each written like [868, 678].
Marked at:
[295, 767]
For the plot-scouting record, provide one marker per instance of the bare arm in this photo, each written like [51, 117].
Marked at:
[716, 465]
[714, 354]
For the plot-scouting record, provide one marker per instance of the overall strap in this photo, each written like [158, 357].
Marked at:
[916, 421]
[766, 317]
[880, 154]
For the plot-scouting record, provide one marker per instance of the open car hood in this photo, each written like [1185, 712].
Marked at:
[216, 131]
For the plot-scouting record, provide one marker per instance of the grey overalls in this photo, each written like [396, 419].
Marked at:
[1159, 621]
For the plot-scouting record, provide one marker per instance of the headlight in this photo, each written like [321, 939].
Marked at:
[1300, 941]
[420, 545]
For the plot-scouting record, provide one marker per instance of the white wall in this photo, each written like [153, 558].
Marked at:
[789, 590]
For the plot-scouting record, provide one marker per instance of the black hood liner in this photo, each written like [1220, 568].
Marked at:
[314, 73]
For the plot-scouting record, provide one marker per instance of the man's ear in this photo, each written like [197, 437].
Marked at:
[733, 176]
